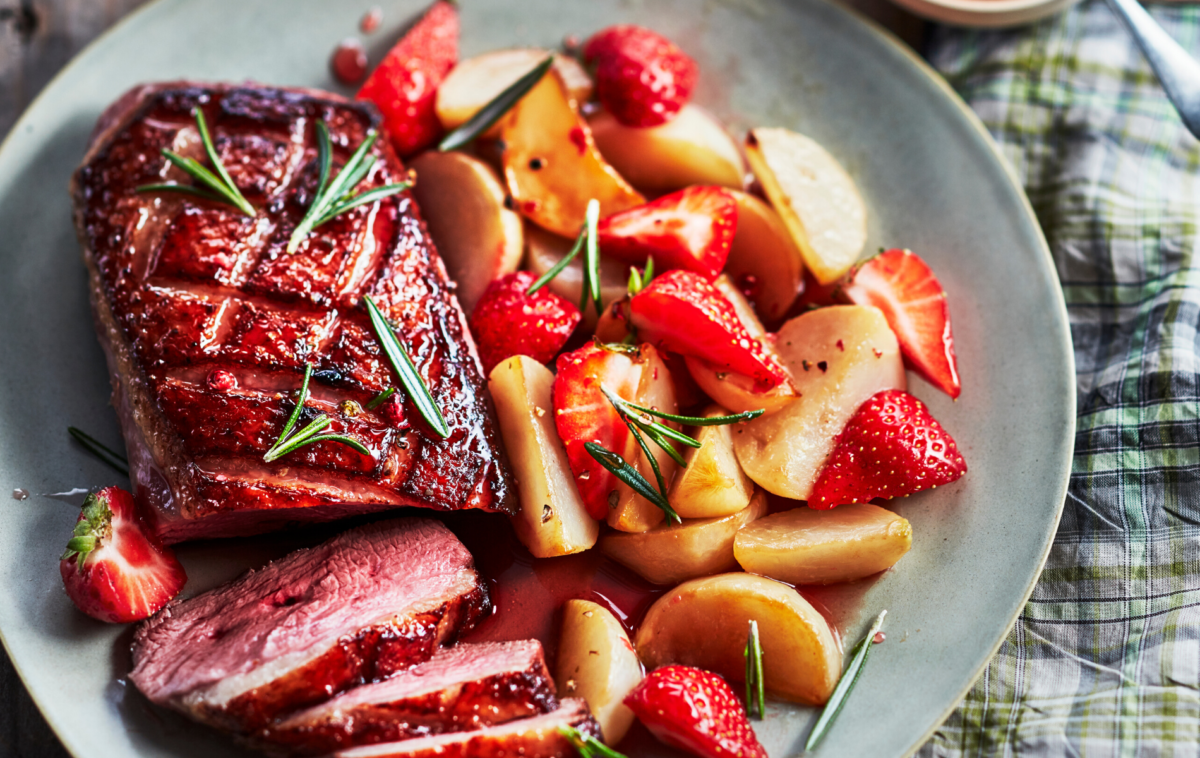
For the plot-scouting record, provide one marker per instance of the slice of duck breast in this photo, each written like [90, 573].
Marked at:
[459, 689]
[358, 608]
[536, 737]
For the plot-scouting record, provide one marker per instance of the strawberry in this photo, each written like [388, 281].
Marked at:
[686, 314]
[903, 286]
[690, 229]
[114, 569]
[583, 414]
[404, 84]
[508, 322]
[696, 711]
[642, 78]
[891, 447]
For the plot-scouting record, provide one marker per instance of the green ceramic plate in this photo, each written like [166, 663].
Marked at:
[932, 180]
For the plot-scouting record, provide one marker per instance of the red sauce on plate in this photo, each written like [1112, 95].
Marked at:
[349, 61]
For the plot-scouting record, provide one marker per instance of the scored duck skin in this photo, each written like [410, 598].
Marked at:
[207, 322]
[371, 602]
[535, 737]
[458, 689]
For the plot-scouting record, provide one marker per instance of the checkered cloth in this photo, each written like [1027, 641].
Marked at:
[1105, 658]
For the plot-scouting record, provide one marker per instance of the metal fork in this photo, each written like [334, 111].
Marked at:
[1177, 70]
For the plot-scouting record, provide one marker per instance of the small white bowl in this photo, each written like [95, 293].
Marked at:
[990, 13]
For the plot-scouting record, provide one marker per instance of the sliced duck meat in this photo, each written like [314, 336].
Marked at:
[536, 737]
[373, 601]
[209, 317]
[459, 689]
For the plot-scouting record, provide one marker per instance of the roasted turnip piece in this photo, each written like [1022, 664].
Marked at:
[764, 260]
[533, 737]
[838, 358]
[806, 546]
[460, 689]
[712, 484]
[462, 200]
[551, 164]
[692, 148]
[596, 662]
[552, 520]
[475, 82]
[814, 196]
[704, 623]
[671, 553]
[358, 608]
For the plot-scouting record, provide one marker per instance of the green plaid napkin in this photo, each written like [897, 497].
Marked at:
[1105, 658]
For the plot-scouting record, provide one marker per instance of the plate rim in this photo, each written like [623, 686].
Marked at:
[982, 138]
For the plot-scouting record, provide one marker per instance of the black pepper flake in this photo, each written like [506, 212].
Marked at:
[536, 164]
[823, 366]
[509, 203]
[806, 365]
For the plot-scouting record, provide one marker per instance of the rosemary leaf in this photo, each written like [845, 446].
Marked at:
[363, 198]
[755, 687]
[698, 420]
[659, 433]
[591, 257]
[558, 267]
[381, 398]
[413, 384]
[635, 281]
[628, 474]
[218, 187]
[106, 454]
[499, 105]
[648, 272]
[588, 746]
[845, 684]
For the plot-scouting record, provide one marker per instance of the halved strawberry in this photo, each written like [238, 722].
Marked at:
[404, 84]
[583, 414]
[686, 314]
[695, 710]
[113, 569]
[642, 78]
[508, 322]
[903, 286]
[891, 447]
[690, 229]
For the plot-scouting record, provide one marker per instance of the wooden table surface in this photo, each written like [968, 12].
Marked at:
[37, 38]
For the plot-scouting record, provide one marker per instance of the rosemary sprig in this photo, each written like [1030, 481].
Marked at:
[639, 279]
[497, 107]
[628, 474]
[698, 420]
[289, 442]
[557, 269]
[413, 384]
[845, 684]
[106, 454]
[587, 244]
[755, 687]
[587, 745]
[218, 187]
[591, 258]
[335, 197]
[381, 398]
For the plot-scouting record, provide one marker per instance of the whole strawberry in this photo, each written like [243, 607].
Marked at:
[507, 321]
[113, 569]
[891, 447]
[642, 78]
[695, 710]
[404, 84]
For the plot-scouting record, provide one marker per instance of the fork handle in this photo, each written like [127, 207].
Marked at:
[1176, 69]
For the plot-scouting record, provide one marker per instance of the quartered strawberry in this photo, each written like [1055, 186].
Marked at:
[691, 229]
[903, 286]
[404, 84]
[891, 447]
[113, 569]
[696, 711]
[583, 414]
[686, 314]
[642, 78]
[508, 322]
